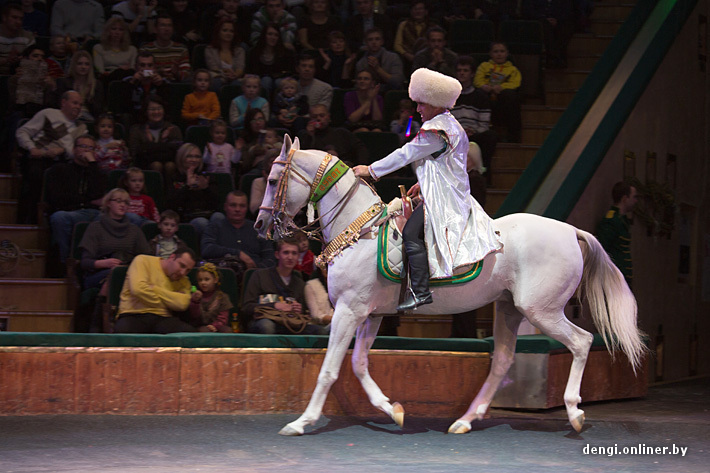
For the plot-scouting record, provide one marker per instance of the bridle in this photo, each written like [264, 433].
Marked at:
[284, 225]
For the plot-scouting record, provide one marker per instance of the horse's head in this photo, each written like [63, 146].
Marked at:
[287, 189]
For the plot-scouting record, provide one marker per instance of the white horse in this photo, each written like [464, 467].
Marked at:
[533, 276]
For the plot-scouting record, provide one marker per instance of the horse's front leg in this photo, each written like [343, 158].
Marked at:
[342, 330]
[366, 334]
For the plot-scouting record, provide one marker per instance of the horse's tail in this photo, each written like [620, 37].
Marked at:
[611, 301]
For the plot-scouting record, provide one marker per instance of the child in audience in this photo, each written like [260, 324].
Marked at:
[141, 204]
[210, 307]
[306, 258]
[290, 107]
[110, 153]
[202, 105]
[400, 124]
[219, 155]
[59, 58]
[272, 140]
[250, 98]
[167, 242]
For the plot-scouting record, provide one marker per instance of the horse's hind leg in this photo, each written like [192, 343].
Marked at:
[578, 342]
[342, 330]
[505, 331]
[366, 334]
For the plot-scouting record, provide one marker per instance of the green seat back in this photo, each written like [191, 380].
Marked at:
[153, 185]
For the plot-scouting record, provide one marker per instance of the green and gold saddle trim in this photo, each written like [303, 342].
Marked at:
[389, 260]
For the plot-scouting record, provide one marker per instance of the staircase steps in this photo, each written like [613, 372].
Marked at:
[30, 264]
[611, 11]
[25, 236]
[588, 43]
[8, 210]
[541, 114]
[37, 320]
[567, 78]
[9, 186]
[582, 61]
[32, 294]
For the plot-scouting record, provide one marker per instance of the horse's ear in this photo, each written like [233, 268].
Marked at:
[286, 148]
[297, 144]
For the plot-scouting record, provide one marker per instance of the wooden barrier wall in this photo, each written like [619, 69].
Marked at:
[65, 380]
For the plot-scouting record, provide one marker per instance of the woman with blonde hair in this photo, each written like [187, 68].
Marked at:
[191, 193]
[115, 56]
[82, 79]
[110, 241]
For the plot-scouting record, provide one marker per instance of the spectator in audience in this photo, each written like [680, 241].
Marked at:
[338, 62]
[13, 39]
[191, 193]
[111, 153]
[364, 105]
[34, 21]
[183, 16]
[317, 91]
[277, 288]
[290, 108]
[258, 185]
[320, 135]
[404, 123]
[557, 20]
[201, 106]
[359, 24]
[273, 11]
[252, 135]
[250, 99]
[211, 309]
[81, 78]
[473, 112]
[270, 59]
[167, 242]
[232, 10]
[500, 79]
[614, 232]
[109, 242]
[306, 259]
[314, 28]
[155, 293]
[252, 159]
[172, 59]
[74, 193]
[436, 56]
[235, 236]
[411, 32]
[145, 82]
[153, 142]
[219, 155]
[115, 56]
[139, 16]
[141, 204]
[385, 66]
[60, 54]
[224, 56]
[30, 88]
[46, 137]
[80, 20]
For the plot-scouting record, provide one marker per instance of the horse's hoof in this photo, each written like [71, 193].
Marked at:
[578, 421]
[398, 414]
[290, 431]
[460, 427]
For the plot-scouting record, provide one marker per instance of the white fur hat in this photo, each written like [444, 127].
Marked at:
[434, 88]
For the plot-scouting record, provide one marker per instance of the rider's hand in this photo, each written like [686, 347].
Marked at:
[361, 171]
[413, 191]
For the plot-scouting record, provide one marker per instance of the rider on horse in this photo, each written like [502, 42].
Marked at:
[453, 226]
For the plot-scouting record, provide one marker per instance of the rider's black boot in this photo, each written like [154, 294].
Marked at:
[418, 277]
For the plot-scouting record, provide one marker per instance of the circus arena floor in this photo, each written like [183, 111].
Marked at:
[675, 415]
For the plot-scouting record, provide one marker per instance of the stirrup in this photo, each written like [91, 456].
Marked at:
[413, 301]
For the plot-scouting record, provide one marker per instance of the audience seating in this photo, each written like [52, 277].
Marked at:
[176, 96]
[387, 187]
[225, 185]
[200, 135]
[471, 36]
[186, 232]
[525, 42]
[337, 107]
[198, 57]
[391, 104]
[119, 97]
[153, 185]
[379, 143]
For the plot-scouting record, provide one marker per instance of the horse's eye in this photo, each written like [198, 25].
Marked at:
[273, 182]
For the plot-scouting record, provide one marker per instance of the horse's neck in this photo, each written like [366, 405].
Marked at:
[336, 219]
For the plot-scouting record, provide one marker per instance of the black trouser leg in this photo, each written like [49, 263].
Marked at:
[415, 247]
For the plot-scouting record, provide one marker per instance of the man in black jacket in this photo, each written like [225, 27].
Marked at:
[277, 288]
